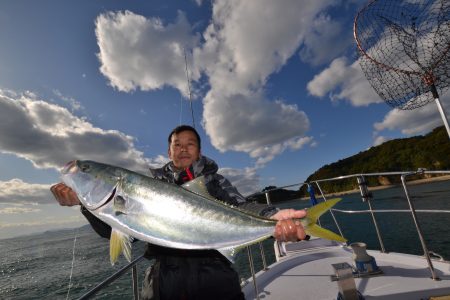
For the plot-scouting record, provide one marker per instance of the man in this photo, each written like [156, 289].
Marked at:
[193, 274]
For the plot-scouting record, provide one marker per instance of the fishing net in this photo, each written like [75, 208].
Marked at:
[404, 49]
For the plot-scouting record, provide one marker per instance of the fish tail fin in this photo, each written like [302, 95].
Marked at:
[313, 215]
[316, 230]
[119, 242]
[317, 210]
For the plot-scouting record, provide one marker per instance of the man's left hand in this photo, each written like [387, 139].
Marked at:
[288, 227]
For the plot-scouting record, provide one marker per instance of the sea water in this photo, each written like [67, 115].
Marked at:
[40, 266]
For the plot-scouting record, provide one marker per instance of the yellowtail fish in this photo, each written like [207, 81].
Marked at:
[161, 213]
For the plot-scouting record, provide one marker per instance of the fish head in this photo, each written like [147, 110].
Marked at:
[94, 183]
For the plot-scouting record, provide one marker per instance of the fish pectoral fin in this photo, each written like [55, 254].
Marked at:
[119, 242]
[120, 204]
[319, 209]
[229, 253]
[316, 230]
[198, 187]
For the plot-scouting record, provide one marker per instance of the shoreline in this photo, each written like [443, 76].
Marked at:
[382, 187]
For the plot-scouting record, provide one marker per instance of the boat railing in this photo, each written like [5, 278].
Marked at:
[366, 196]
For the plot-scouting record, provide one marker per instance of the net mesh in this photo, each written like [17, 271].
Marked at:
[404, 48]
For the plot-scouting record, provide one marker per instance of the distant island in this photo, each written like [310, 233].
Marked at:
[430, 151]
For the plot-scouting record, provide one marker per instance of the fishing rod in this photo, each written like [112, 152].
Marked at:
[189, 87]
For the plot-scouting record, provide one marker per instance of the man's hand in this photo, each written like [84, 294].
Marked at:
[64, 195]
[286, 229]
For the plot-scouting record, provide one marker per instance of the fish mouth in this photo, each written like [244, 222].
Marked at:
[70, 168]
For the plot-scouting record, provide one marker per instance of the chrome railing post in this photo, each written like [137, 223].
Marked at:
[268, 198]
[331, 211]
[111, 279]
[419, 231]
[134, 276]
[263, 256]
[261, 248]
[252, 270]
[366, 195]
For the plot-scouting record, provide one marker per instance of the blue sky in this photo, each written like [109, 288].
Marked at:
[276, 86]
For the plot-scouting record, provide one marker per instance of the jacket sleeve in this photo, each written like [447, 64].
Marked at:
[102, 229]
[222, 189]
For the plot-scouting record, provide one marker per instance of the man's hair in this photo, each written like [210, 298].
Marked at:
[182, 128]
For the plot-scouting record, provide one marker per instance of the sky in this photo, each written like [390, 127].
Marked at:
[275, 87]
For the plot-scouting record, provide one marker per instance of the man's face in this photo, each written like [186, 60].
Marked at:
[183, 149]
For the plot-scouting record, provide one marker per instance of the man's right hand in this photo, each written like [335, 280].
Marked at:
[64, 195]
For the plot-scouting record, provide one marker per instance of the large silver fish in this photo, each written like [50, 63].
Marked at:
[165, 214]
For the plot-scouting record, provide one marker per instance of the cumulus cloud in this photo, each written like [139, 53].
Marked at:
[240, 48]
[136, 52]
[49, 136]
[380, 140]
[411, 122]
[324, 31]
[16, 191]
[257, 123]
[243, 45]
[245, 180]
[18, 210]
[72, 102]
[343, 81]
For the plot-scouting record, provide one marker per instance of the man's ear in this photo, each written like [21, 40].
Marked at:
[169, 153]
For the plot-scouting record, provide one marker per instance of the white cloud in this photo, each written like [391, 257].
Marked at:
[380, 140]
[136, 52]
[49, 136]
[250, 129]
[244, 45]
[73, 103]
[411, 122]
[324, 31]
[16, 191]
[245, 42]
[18, 210]
[344, 81]
[246, 181]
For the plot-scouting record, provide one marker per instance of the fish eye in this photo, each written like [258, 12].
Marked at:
[85, 168]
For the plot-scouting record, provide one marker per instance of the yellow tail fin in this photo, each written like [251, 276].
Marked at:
[314, 213]
[316, 230]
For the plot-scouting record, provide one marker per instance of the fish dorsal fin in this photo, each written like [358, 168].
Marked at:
[198, 187]
[317, 210]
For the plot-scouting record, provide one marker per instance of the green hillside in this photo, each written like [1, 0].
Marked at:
[431, 151]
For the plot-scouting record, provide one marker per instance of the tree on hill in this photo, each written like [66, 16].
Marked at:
[430, 151]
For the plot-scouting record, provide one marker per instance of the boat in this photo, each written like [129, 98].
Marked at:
[323, 269]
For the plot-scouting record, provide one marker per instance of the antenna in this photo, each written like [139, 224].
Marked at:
[189, 87]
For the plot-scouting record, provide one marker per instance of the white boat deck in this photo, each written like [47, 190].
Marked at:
[306, 274]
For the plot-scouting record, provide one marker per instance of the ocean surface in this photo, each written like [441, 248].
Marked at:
[40, 266]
